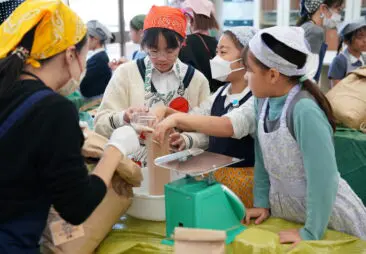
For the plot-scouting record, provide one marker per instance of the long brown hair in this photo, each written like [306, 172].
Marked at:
[300, 60]
[202, 22]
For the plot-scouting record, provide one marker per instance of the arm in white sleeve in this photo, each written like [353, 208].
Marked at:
[243, 119]
[115, 101]
[195, 140]
[205, 107]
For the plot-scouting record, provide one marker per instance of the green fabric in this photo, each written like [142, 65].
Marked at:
[77, 99]
[350, 147]
[133, 236]
[314, 136]
[138, 22]
[86, 117]
[275, 106]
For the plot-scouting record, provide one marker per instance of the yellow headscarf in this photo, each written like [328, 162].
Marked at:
[58, 28]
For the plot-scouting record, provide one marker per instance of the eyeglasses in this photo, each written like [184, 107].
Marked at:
[167, 55]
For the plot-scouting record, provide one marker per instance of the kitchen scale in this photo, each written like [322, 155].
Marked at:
[197, 200]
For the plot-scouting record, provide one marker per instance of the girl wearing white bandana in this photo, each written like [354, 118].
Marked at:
[226, 117]
[296, 176]
[316, 15]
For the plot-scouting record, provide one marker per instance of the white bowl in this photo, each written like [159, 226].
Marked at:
[145, 206]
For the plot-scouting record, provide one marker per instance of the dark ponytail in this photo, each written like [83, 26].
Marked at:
[304, 15]
[10, 70]
[340, 45]
[320, 98]
[11, 67]
[302, 20]
[345, 38]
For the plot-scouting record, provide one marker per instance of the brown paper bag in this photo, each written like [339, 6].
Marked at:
[348, 99]
[158, 176]
[199, 241]
[63, 238]
[127, 169]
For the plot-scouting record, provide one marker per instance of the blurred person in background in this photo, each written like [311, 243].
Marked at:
[98, 73]
[199, 46]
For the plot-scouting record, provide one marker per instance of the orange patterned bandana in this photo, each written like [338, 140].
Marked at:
[166, 17]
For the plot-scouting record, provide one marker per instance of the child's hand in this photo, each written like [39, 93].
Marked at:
[177, 142]
[159, 112]
[260, 213]
[131, 110]
[115, 63]
[164, 127]
[290, 236]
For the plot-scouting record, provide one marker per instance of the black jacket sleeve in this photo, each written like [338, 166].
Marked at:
[74, 194]
[97, 76]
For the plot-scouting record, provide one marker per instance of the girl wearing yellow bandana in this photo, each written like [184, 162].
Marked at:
[43, 46]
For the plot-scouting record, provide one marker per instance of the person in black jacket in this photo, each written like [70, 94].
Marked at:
[40, 136]
[200, 47]
[98, 72]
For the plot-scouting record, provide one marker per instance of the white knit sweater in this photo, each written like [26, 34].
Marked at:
[126, 89]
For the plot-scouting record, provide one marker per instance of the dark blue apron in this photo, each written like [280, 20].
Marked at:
[21, 235]
[323, 50]
[239, 148]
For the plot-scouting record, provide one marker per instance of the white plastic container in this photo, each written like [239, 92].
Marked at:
[145, 206]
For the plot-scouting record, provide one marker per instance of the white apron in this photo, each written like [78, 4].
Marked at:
[284, 163]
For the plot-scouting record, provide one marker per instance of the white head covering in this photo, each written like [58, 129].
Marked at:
[97, 29]
[351, 26]
[294, 37]
[243, 33]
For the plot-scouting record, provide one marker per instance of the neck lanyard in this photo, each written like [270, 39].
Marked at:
[148, 79]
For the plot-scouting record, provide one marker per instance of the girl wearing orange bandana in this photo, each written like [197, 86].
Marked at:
[159, 79]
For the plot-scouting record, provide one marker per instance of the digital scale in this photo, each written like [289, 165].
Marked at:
[197, 200]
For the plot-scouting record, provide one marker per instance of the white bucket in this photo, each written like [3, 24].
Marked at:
[145, 206]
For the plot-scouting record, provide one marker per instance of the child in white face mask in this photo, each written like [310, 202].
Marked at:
[316, 15]
[226, 118]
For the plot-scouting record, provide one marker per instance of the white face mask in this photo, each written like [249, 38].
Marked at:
[71, 86]
[221, 69]
[333, 21]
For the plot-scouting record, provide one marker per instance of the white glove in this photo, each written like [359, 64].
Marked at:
[83, 125]
[125, 139]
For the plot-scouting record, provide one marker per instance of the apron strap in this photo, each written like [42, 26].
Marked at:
[22, 109]
[188, 77]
